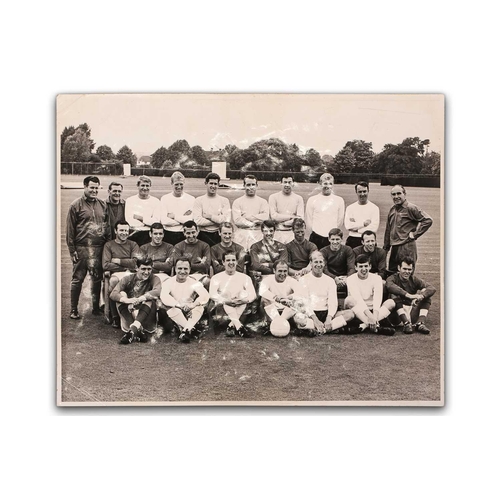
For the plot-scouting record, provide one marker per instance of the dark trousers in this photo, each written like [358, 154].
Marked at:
[398, 251]
[140, 237]
[319, 241]
[353, 241]
[146, 316]
[211, 238]
[89, 261]
[415, 310]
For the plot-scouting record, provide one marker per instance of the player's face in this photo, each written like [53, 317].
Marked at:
[250, 187]
[157, 236]
[178, 187]
[317, 265]
[369, 243]
[212, 186]
[362, 193]
[405, 271]
[268, 233]
[226, 235]
[281, 273]
[335, 241]
[398, 197]
[363, 269]
[190, 234]
[182, 271]
[144, 272]
[115, 193]
[287, 185]
[144, 189]
[122, 232]
[91, 190]
[327, 186]
[230, 263]
[300, 233]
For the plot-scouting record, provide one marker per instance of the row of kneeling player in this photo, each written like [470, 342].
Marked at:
[308, 306]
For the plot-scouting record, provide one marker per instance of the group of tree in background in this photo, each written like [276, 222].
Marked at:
[411, 156]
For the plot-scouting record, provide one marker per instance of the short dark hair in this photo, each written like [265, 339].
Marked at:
[156, 225]
[229, 252]
[91, 178]
[143, 260]
[114, 183]
[335, 231]
[368, 232]
[251, 177]
[286, 176]
[270, 223]
[212, 175]
[189, 224]
[183, 259]
[361, 183]
[298, 222]
[362, 259]
[122, 222]
[407, 259]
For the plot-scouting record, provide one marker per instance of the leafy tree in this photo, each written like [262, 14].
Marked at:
[94, 158]
[328, 160]
[86, 130]
[431, 163]
[182, 146]
[363, 154]
[159, 157]
[126, 155]
[67, 132]
[105, 153]
[77, 147]
[345, 161]
[403, 158]
[313, 158]
[230, 148]
[199, 155]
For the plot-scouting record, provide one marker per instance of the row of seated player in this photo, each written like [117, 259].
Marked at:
[119, 255]
[309, 305]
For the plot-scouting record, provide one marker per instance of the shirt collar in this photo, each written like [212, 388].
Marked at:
[108, 200]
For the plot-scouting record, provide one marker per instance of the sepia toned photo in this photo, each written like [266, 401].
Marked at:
[250, 249]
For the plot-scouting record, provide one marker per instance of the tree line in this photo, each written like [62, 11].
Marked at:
[411, 156]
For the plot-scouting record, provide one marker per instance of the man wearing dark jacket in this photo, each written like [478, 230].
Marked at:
[86, 233]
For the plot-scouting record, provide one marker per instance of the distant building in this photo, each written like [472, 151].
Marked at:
[144, 161]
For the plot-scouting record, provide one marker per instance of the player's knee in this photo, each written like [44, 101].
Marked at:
[349, 303]
[389, 304]
[173, 312]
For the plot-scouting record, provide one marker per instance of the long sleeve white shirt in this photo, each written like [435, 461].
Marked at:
[282, 207]
[225, 287]
[217, 207]
[249, 205]
[178, 206]
[319, 294]
[367, 292]
[324, 213]
[191, 291]
[146, 208]
[360, 213]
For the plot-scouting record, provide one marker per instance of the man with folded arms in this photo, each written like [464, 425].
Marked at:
[211, 210]
[160, 252]
[377, 255]
[299, 250]
[227, 244]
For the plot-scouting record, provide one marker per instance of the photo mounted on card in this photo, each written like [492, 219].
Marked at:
[250, 249]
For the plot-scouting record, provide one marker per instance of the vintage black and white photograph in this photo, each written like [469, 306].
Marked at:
[250, 249]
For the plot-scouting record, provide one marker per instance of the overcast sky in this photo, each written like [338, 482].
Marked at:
[144, 122]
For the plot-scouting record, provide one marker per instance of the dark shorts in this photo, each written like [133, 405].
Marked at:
[89, 261]
[319, 241]
[173, 237]
[211, 238]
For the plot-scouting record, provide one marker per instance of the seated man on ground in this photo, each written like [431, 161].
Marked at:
[196, 251]
[412, 296]
[339, 259]
[278, 293]
[159, 251]
[376, 255]
[136, 296]
[365, 299]
[231, 293]
[184, 299]
[319, 296]
[119, 258]
[226, 231]
[299, 250]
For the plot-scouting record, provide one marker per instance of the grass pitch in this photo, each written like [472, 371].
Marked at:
[404, 368]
